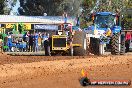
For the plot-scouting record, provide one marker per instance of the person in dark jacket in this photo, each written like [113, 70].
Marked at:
[31, 42]
[47, 47]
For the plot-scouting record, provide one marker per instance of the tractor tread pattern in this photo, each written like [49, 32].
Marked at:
[115, 44]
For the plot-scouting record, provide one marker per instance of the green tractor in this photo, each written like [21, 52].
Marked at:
[17, 30]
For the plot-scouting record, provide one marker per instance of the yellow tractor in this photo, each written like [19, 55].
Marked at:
[68, 41]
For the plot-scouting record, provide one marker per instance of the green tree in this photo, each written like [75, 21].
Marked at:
[1, 6]
[71, 7]
[39, 7]
[51, 7]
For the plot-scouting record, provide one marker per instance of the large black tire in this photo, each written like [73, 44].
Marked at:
[94, 45]
[115, 44]
[127, 44]
[79, 38]
[123, 48]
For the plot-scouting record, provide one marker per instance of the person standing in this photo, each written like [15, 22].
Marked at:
[27, 41]
[36, 42]
[47, 47]
[39, 42]
[9, 43]
[30, 43]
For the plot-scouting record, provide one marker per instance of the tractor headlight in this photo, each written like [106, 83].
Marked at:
[95, 32]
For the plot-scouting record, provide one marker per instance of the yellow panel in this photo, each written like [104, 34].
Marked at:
[27, 26]
[9, 25]
[76, 45]
[59, 36]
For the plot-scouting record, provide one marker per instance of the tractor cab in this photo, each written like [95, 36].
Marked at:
[103, 20]
[65, 29]
[60, 41]
[103, 23]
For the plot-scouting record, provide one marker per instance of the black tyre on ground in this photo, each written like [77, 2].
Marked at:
[123, 48]
[115, 48]
[127, 44]
[79, 38]
[94, 45]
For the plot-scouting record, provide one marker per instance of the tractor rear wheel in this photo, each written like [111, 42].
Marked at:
[94, 45]
[79, 38]
[115, 46]
[123, 48]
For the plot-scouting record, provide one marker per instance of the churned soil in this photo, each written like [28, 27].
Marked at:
[62, 71]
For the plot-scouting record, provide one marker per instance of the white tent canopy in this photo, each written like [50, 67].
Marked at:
[36, 19]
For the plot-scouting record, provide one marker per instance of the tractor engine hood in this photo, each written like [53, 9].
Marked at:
[101, 31]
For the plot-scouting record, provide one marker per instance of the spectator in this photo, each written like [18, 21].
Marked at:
[26, 39]
[36, 41]
[27, 42]
[9, 43]
[45, 37]
[39, 42]
[31, 43]
[47, 47]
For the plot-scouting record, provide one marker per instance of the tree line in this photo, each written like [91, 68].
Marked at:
[58, 7]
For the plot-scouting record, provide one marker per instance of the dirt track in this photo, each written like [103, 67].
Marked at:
[61, 72]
